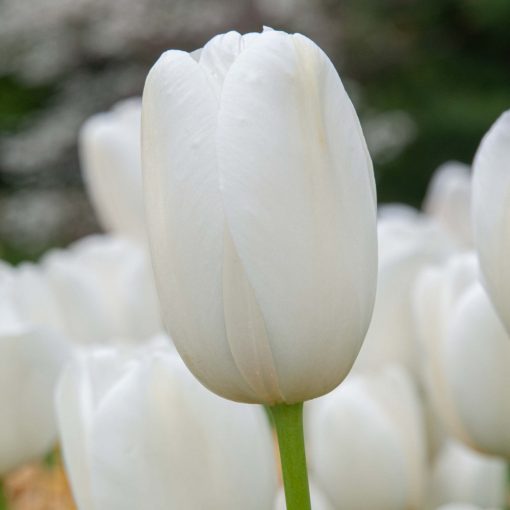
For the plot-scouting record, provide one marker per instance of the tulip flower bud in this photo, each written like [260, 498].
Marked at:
[448, 201]
[435, 296]
[111, 162]
[138, 431]
[30, 361]
[104, 289]
[477, 357]
[261, 210]
[491, 213]
[366, 443]
[407, 242]
[460, 474]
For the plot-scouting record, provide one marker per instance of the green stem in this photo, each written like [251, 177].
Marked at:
[3, 501]
[288, 420]
[507, 492]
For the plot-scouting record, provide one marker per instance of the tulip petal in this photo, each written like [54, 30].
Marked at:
[299, 197]
[477, 360]
[491, 213]
[180, 446]
[246, 329]
[461, 474]
[30, 361]
[110, 154]
[185, 217]
[357, 452]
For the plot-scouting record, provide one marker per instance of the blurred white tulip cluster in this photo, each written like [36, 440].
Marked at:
[423, 420]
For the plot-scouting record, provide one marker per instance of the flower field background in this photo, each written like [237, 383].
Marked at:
[428, 79]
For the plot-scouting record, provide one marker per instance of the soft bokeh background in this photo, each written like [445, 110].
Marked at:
[428, 78]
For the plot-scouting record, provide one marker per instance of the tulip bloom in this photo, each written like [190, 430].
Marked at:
[367, 445]
[112, 170]
[436, 294]
[491, 213]
[261, 211]
[408, 241]
[102, 290]
[30, 361]
[467, 353]
[477, 357]
[460, 474]
[448, 201]
[138, 431]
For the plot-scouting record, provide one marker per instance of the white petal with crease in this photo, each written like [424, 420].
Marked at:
[299, 197]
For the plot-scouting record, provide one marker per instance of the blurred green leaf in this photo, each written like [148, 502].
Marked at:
[18, 102]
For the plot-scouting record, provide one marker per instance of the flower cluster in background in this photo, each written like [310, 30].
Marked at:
[427, 78]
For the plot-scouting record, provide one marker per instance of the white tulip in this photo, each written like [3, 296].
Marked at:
[460, 474]
[366, 443]
[318, 499]
[407, 242]
[448, 201]
[103, 288]
[111, 162]
[477, 357]
[138, 431]
[261, 210]
[436, 294]
[491, 213]
[30, 361]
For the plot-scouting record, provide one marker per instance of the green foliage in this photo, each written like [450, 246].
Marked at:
[18, 102]
[3, 502]
[445, 62]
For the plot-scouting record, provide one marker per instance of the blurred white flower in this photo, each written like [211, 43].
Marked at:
[435, 295]
[110, 155]
[388, 134]
[408, 241]
[30, 362]
[491, 213]
[138, 431]
[102, 288]
[462, 475]
[477, 357]
[466, 355]
[366, 443]
[448, 201]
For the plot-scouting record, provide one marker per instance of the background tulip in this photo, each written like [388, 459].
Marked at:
[111, 164]
[448, 201]
[491, 213]
[98, 290]
[105, 290]
[138, 431]
[366, 443]
[30, 362]
[436, 294]
[261, 213]
[462, 475]
[408, 241]
[477, 357]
